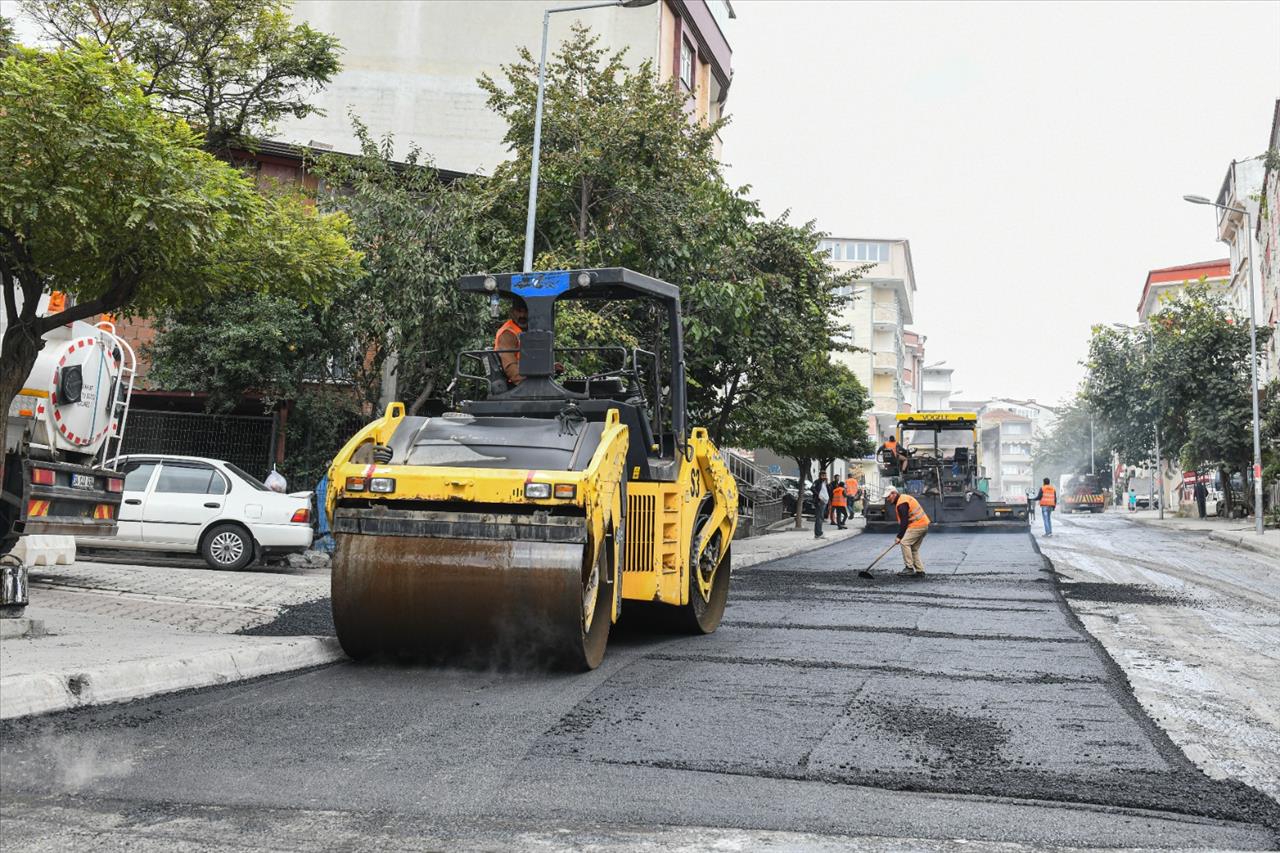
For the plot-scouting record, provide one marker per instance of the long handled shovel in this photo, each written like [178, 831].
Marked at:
[866, 573]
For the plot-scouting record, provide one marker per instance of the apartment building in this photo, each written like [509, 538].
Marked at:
[410, 69]
[1007, 440]
[1167, 282]
[913, 370]
[884, 306]
[1241, 189]
[935, 391]
[1267, 241]
[877, 319]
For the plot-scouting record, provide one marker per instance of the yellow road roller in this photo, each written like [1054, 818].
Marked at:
[516, 529]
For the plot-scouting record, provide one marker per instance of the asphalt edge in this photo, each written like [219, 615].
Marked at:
[47, 693]
[1122, 691]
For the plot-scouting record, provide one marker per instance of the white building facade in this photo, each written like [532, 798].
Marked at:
[1242, 190]
[936, 389]
[411, 69]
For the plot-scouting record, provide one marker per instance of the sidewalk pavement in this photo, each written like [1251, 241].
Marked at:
[116, 632]
[113, 633]
[1239, 532]
[773, 546]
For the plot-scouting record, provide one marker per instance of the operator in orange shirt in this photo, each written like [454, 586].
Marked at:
[508, 338]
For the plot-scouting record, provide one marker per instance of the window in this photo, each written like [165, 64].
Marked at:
[247, 477]
[686, 63]
[190, 480]
[871, 253]
[137, 475]
[835, 251]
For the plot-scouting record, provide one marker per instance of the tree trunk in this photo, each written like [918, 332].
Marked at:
[18, 352]
[1228, 498]
[722, 420]
[802, 468]
[423, 397]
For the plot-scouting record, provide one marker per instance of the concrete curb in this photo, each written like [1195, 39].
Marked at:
[800, 546]
[1242, 540]
[43, 693]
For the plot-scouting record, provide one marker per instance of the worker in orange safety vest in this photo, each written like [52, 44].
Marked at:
[1047, 497]
[839, 505]
[913, 526]
[507, 341]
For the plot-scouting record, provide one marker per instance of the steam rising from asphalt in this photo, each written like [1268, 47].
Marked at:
[69, 763]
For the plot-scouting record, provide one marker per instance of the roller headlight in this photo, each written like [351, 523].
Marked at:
[537, 491]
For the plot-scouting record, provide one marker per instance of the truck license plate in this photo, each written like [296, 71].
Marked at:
[82, 481]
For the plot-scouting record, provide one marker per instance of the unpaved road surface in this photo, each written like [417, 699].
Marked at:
[966, 705]
[1195, 624]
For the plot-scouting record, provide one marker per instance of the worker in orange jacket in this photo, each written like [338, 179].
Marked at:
[1047, 497]
[839, 505]
[913, 526]
[852, 493]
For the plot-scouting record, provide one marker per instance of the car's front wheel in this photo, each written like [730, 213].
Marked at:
[228, 547]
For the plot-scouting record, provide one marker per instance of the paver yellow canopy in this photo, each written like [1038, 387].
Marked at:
[522, 525]
[945, 474]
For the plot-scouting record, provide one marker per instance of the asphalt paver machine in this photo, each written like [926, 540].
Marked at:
[522, 525]
[944, 473]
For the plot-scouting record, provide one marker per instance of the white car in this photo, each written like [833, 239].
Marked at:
[206, 507]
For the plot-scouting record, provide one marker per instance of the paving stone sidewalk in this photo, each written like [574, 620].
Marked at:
[112, 633]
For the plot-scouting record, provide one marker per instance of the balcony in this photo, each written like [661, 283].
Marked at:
[885, 404]
[886, 362]
[886, 316]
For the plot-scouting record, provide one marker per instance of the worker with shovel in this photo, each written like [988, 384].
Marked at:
[913, 526]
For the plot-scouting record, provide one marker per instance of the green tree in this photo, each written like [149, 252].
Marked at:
[231, 68]
[628, 180]
[241, 342]
[105, 198]
[625, 178]
[1185, 372]
[8, 40]
[418, 235]
[819, 421]
[402, 313]
[1066, 448]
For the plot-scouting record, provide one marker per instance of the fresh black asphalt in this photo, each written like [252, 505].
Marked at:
[966, 704]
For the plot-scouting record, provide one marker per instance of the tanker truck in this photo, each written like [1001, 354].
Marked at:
[62, 431]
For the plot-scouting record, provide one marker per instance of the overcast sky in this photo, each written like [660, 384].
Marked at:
[1035, 154]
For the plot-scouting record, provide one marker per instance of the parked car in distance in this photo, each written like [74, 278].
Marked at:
[790, 484]
[185, 504]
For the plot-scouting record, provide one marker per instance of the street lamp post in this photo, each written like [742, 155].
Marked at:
[537, 113]
[1253, 360]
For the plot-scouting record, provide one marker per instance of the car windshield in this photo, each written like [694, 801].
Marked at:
[251, 480]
